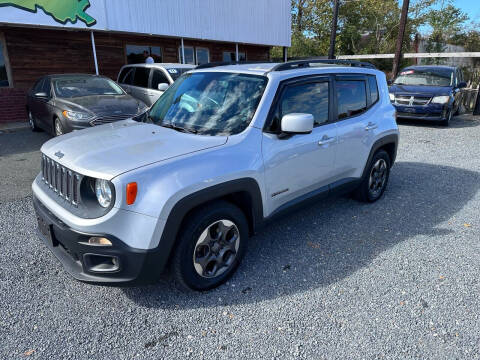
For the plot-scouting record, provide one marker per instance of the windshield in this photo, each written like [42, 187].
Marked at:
[425, 77]
[78, 86]
[175, 73]
[212, 103]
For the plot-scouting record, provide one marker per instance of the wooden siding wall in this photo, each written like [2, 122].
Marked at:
[37, 52]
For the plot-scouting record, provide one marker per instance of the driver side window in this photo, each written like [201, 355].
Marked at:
[310, 98]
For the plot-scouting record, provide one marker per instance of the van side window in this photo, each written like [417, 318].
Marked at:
[141, 77]
[158, 77]
[372, 83]
[351, 98]
[126, 76]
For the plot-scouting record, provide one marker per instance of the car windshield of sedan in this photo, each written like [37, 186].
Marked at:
[211, 103]
[78, 86]
[430, 77]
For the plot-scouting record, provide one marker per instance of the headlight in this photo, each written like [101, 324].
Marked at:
[76, 115]
[392, 97]
[103, 192]
[441, 99]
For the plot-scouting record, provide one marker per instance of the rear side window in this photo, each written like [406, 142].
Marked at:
[38, 86]
[372, 84]
[141, 77]
[126, 76]
[311, 98]
[351, 98]
[47, 87]
[158, 77]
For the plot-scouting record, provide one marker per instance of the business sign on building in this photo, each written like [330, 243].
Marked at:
[265, 22]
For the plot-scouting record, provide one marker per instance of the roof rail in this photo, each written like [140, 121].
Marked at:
[306, 64]
[225, 63]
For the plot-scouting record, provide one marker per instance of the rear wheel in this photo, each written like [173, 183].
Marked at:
[32, 122]
[210, 246]
[375, 182]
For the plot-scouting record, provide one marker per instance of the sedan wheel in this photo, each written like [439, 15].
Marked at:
[58, 128]
[31, 122]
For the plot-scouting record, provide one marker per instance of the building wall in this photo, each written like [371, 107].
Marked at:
[37, 52]
[243, 21]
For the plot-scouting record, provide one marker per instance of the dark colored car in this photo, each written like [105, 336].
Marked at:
[63, 103]
[428, 93]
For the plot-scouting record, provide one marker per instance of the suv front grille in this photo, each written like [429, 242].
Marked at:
[62, 181]
[412, 100]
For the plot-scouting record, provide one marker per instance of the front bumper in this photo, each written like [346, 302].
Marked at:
[117, 265]
[435, 112]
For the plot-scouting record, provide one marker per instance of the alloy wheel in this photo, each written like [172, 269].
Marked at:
[216, 249]
[31, 121]
[58, 128]
[378, 178]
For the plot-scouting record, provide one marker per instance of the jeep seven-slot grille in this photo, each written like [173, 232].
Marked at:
[64, 182]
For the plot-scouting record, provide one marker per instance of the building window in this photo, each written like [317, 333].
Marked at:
[231, 56]
[189, 54]
[203, 55]
[3, 66]
[138, 54]
[194, 56]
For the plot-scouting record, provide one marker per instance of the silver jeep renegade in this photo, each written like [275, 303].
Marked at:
[225, 149]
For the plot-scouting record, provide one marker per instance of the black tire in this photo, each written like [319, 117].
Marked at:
[183, 265]
[32, 122]
[446, 122]
[365, 192]
[58, 127]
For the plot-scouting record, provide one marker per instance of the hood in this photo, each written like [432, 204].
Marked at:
[109, 150]
[104, 104]
[420, 90]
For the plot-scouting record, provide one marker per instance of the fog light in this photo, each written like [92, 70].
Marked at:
[99, 241]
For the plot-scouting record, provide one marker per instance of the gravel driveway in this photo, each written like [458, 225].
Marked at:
[398, 279]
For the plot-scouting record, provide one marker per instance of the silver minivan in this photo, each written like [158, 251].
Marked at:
[146, 82]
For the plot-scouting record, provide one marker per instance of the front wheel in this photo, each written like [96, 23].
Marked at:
[446, 122]
[58, 127]
[375, 182]
[210, 247]
[32, 122]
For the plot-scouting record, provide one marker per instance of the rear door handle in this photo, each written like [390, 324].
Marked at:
[326, 140]
[371, 126]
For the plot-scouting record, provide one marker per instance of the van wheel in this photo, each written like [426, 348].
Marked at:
[210, 246]
[375, 182]
[446, 122]
[32, 122]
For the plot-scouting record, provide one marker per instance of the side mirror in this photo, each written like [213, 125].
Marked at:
[163, 86]
[462, 85]
[389, 82]
[41, 95]
[297, 123]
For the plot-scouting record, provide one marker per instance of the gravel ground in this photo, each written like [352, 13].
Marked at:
[339, 280]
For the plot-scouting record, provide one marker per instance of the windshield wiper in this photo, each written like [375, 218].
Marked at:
[179, 128]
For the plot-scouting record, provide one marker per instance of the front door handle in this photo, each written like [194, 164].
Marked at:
[326, 140]
[371, 126]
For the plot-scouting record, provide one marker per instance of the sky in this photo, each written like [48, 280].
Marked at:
[470, 7]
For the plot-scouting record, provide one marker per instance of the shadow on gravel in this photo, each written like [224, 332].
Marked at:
[21, 141]
[458, 122]
[329, 241]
